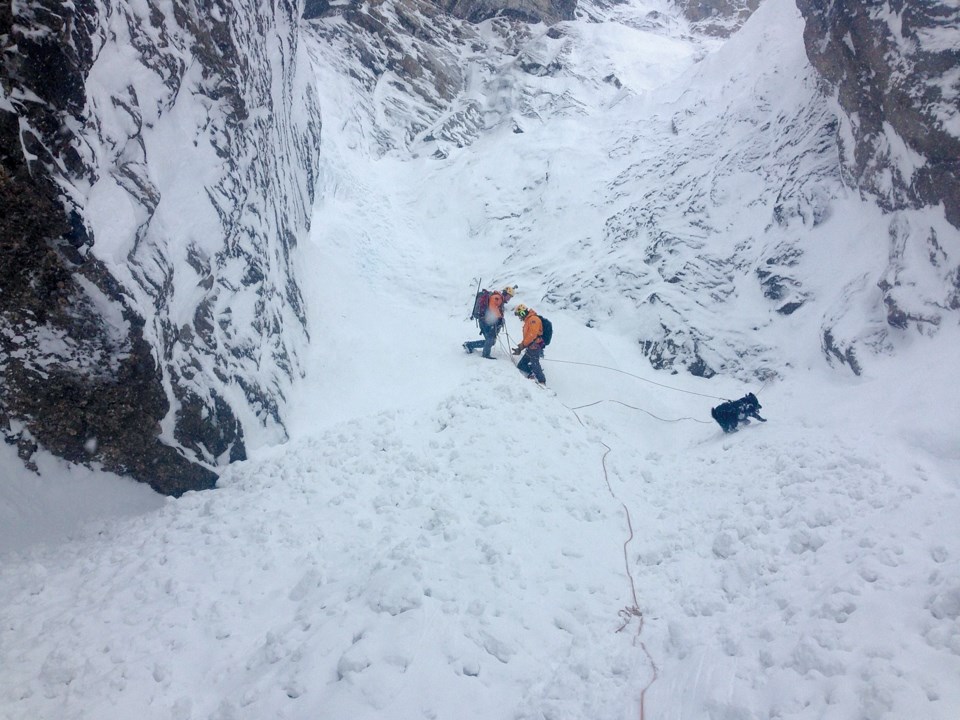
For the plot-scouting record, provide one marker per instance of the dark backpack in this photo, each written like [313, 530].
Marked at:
[480, 304]
[547, 330]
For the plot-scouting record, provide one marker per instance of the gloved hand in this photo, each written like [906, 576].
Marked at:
[517, 350]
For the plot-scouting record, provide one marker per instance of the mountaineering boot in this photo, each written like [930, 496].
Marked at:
[466, 346]
[489, 357]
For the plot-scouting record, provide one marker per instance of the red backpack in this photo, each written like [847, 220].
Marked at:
[480, 305]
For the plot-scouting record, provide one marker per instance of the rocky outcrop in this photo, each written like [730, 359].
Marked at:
[474, 11]
[157, 169]
[718, 17]
[412, 59]
[73, 382]
[894, 65]
[545, 11]
[427, 81]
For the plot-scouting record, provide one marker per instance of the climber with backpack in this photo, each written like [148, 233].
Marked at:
[488, 312]
[537, 333]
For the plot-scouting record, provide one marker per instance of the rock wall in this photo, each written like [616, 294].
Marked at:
[895, 67]
[157, 169]
[474, 11]
[545, 11]
[718, 17]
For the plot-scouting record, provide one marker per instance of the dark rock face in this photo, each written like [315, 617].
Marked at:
[99, 364]
[70, 382]
[474, 11]
[545, 11]
[893, 65]
[718, 17]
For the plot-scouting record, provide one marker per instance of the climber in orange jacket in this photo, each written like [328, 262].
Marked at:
[490, 319]
[532, 343]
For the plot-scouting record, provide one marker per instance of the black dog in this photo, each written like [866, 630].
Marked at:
[731, 414]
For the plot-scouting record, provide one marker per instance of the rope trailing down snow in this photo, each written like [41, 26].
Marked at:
[510, 355]
[656, 417]
[628, 612]
[638, 377]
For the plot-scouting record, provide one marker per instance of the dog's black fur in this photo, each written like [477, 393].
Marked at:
[730, 415]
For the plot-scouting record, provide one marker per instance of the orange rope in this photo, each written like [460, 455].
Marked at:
[655, 417]
[628, 612]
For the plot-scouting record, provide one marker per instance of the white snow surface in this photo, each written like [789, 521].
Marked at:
[442, 538]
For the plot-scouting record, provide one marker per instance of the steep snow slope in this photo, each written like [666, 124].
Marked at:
[714, 207]
[444, 539]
